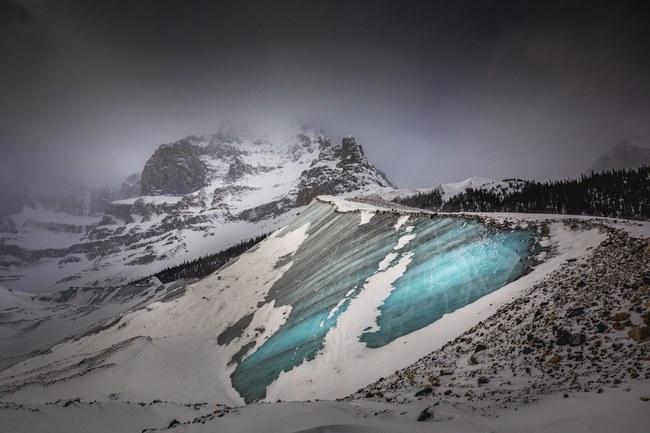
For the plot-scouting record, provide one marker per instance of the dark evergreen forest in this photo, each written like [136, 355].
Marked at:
[206, 265]
[615, 193]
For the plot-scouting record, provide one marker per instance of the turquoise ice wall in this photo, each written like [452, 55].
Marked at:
[455, 261]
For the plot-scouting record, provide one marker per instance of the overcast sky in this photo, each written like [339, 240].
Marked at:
[435, 91]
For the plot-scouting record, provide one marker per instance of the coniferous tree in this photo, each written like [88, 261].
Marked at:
[206, 265]
[612, 193]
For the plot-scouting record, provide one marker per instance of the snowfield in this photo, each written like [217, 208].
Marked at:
[313, 313]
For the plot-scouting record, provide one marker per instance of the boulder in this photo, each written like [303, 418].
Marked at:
[639, 333]
[425, 415]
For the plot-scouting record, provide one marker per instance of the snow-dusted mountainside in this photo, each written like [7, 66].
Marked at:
[442, 314]
[201, 194]
[452, 189]
[346, 293]
[31, 323]
[318, 309]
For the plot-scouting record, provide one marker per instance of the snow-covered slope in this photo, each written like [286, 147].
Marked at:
[455, 318]
[452, 189]
[346, 293]
[449, 190]
[201, 194]
[32, 323]
[623, 410]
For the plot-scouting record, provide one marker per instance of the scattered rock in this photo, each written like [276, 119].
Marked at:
[566, 338]
[646, 317]
[434, 380]
[639, 333]
[426, 414]
[555, 359]
[480, 348]
[71, 402]
[579, 311]
[621, 316]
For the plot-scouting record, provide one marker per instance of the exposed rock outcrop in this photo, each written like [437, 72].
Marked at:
[174, 169]
[340, 168]
[190, 190]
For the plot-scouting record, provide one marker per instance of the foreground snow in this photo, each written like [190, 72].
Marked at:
[621, 411]
[231, 320]
[195, 347]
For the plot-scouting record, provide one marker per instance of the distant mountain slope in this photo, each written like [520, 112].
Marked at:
[618, 193]
[199, 195]
[627, 154]
[30, 323]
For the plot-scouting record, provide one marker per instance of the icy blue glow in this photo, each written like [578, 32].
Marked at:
[455, 261]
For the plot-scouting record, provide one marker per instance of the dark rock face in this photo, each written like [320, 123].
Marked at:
[480, 348]
[131, 187]
[238, 169]
[121, 211]
[266, 210]
[425, 415]
[340, 168]
[312, 188]
[566, 338]
[174, 169]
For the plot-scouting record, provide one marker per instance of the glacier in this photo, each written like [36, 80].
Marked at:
[322, 306]
[452, 262]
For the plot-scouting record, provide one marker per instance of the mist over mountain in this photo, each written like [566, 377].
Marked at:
[506, 89]
[630, 153]
[314, 216]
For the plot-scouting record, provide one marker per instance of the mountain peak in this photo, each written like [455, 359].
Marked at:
[205, 192]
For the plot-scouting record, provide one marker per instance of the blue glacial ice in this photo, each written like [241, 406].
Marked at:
[455, 261]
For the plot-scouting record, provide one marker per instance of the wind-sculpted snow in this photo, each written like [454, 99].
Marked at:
[452, 262]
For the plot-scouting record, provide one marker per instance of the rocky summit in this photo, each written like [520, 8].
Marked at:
[194, 197]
